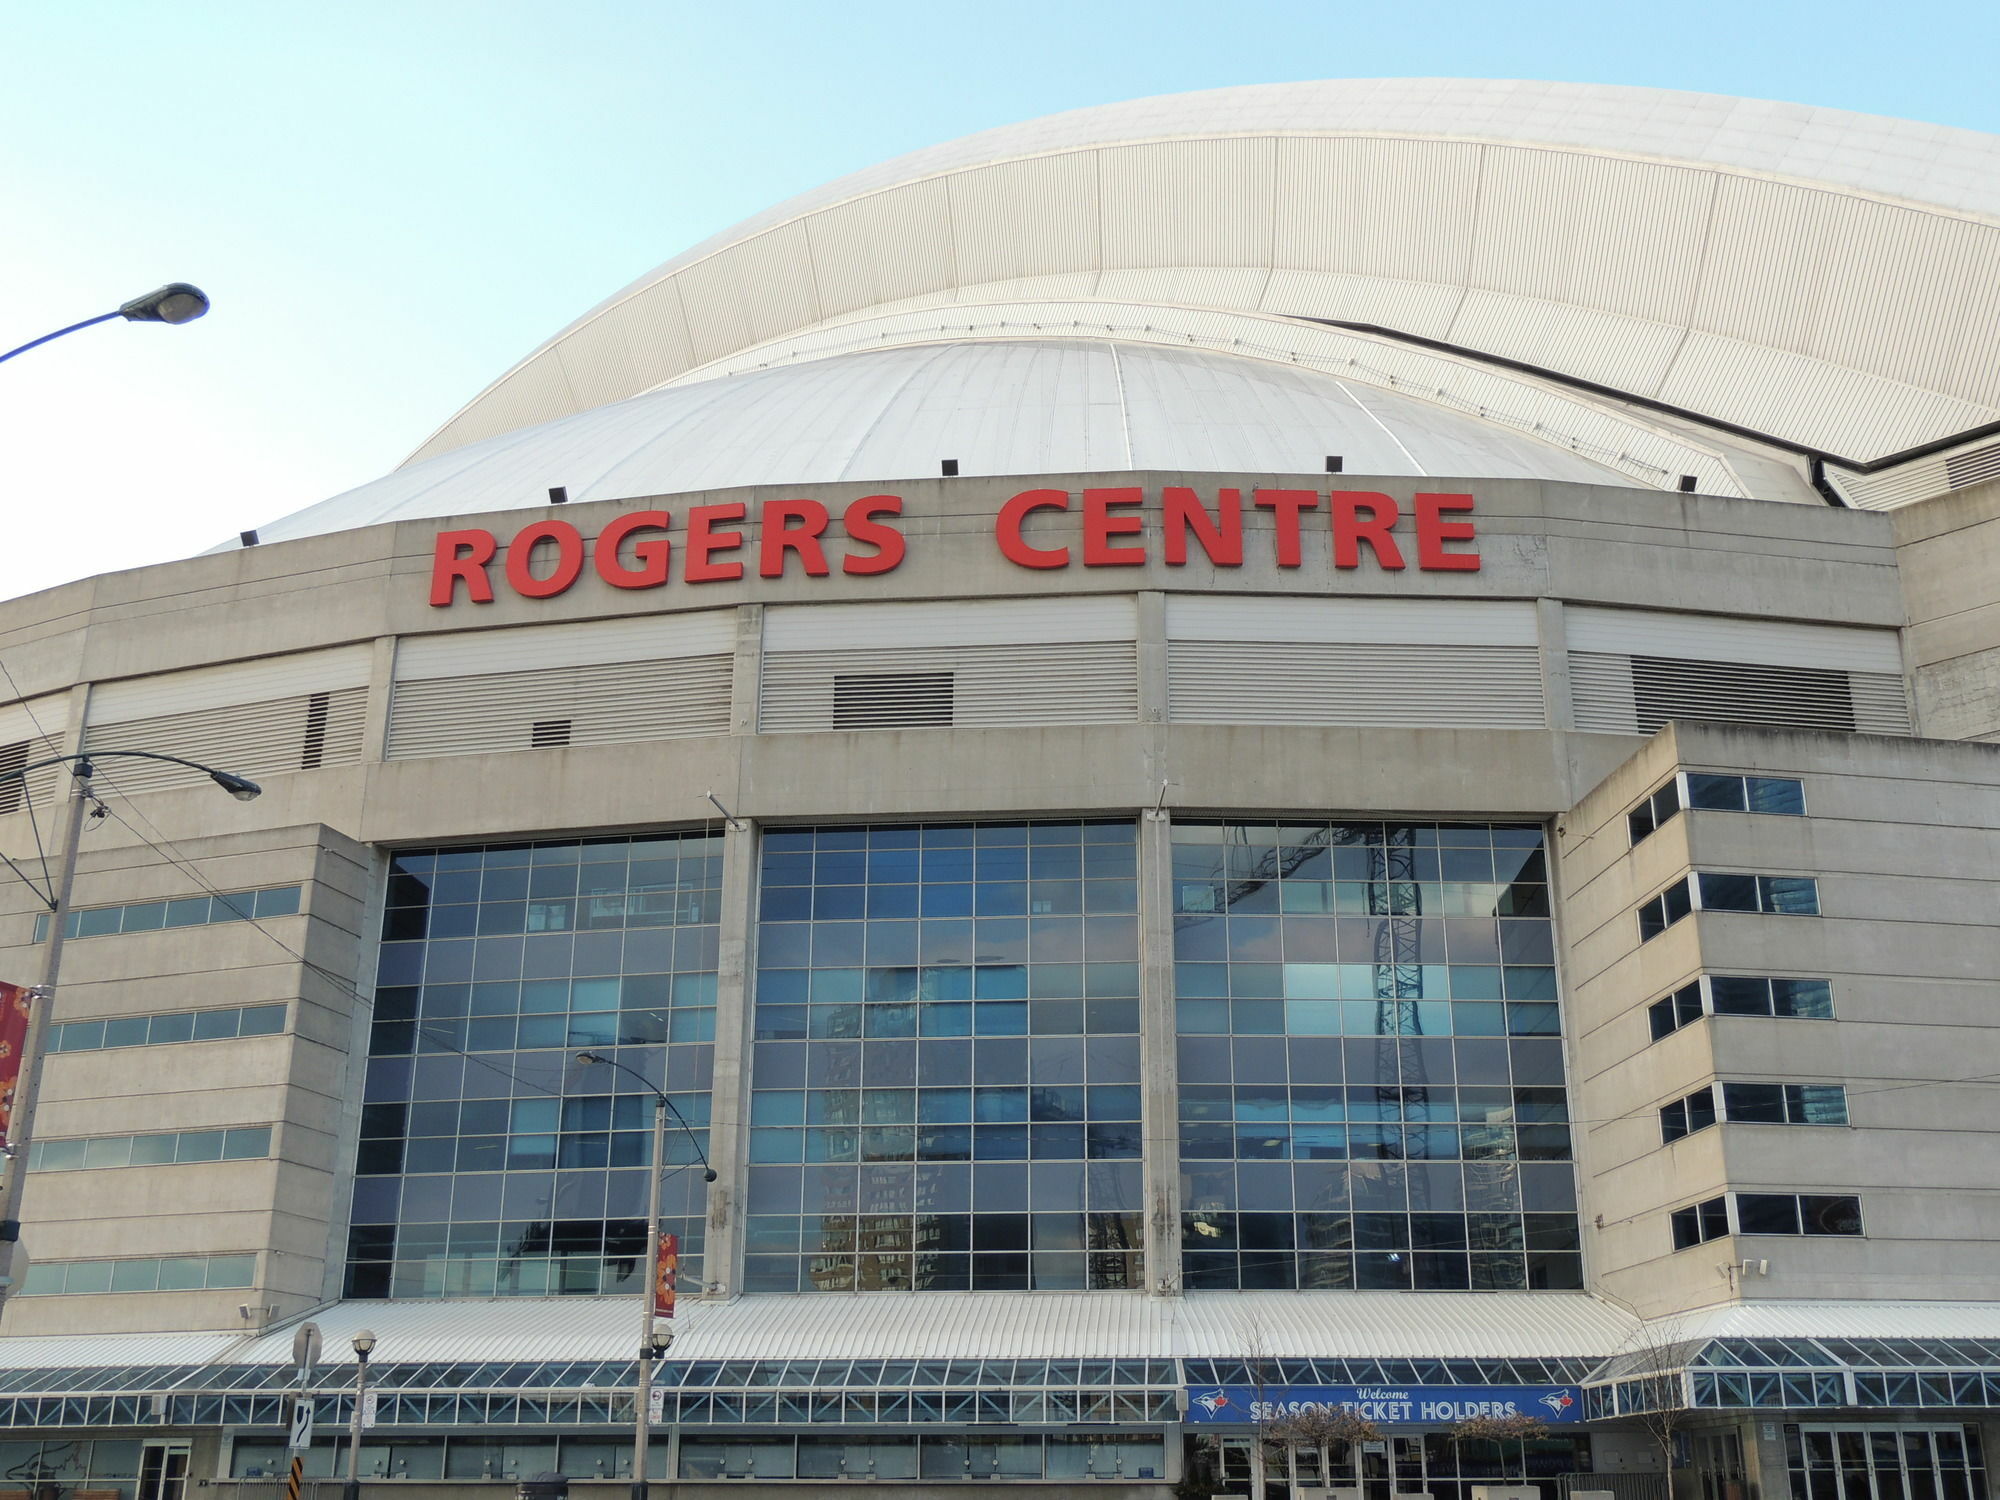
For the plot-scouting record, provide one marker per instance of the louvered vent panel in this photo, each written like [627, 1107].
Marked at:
[1078, 682]
[267, 738]
[30, 731]
[1619, 694]
[1360, 683]
[612, 703]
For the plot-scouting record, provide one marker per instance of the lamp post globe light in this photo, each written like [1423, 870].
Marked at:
[176, 302]
[654, 1340]
[364, 1346]
[62, 879]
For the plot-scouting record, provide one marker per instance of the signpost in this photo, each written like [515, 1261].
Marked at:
[1388, 1405]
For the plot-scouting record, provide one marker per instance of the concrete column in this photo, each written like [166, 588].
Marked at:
[1159, 1062]
[748, 671]
[1553, 637]
[1152, 657]
[729, 1097]
[381, 690]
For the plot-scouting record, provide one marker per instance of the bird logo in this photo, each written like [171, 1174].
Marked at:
[1558, 1402]
[1212, 1403]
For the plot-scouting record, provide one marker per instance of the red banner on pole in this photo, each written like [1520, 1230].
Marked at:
[14, 1002]
[666, 1275]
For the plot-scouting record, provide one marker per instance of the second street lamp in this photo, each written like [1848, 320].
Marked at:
[364, 1345]
[654, 1340]
[29, 1078]
[176, 302]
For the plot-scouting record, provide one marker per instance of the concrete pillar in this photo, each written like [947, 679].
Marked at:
[1159, 1062]
[381, 692]
[1553, 637]
[1152, 652]
[748, 669]
[729, 1097]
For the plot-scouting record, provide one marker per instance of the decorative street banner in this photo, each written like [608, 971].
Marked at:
[14, 1002]
[1391, 1405]
[666, 1273]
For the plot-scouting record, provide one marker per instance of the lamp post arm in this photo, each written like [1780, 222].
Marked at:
[47, 337]
[681, 1119]
[85, 757]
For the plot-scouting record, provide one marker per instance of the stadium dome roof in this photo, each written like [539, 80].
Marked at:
[1671, 284]
[1045, 406]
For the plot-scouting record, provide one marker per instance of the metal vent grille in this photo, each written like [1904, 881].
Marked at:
[1619, 694]
[980, 686]
[1981, 464]
[891, 700]
[611, 703]
[32, 731]
[1356, 683]
[267, 738]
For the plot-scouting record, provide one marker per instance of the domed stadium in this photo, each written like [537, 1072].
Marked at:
[1123, 807]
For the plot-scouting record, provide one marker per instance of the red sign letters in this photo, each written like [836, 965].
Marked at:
[637, 549]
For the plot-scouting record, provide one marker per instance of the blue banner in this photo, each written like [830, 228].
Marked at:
[1388, 1405]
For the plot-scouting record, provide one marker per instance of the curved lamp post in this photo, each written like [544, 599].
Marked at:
[176, 302]
[654, 1340]
[28, 1086]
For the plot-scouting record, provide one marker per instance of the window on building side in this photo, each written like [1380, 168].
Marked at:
[1817, 1214]
[1713, 792]
[1700, 1222]
[1686, 1115]
[1781, 895]
[1784, 1103]
[1740, 995]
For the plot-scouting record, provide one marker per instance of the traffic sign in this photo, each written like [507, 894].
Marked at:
[302, 1425]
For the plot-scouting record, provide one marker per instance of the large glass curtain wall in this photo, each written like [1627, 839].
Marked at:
[1371, 1070]
[946, 1074]
[490, 1162]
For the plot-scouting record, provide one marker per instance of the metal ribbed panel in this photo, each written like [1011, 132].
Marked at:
[301, 732]
[610, 703]
[1188, 203]
[1000, 622]
[1614, 695]
[36, 726]
[234, 682]
[530, 648]
[1922, 478]
[1345, 204]
[1079, 682]
[1645, 632]
[879, 249]
[760, 288]
[1881, 704]
[1293, 682]
[1036, 217]
[1408, 622]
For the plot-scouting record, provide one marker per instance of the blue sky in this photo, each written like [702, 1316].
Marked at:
[391, 203]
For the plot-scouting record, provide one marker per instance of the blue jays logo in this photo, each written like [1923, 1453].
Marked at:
[1212, 1403]
[1558, 1401]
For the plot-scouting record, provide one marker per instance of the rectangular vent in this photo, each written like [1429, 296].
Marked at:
[891, 700]
[12, 790]
[549, 734]
[1981, 464]
[1619, 694]
[313, 755]
[1665, 687]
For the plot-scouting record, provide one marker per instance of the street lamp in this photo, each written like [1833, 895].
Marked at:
[176, 302]
[364, 1345]
[28, 1085]
[654, 1340]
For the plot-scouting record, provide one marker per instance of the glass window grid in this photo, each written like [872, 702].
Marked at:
[1709, 791]
[1712, 890]
[945, 1092]
[1360, 1114]
[1741, 995]
[490, 1164]
[177, 911]
[233, 1143]
[1747, 1103]
[173, 1273]
[168, 1027]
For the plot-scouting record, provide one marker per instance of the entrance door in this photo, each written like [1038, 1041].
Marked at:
[163, 1471]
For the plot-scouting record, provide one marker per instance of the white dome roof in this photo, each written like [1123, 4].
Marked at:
[1025, 407]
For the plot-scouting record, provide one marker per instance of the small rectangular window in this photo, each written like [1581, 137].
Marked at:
[1767, 1213]
[1728, 892]
[262, 1020]
[1754, 1103]
[127, 1031]
[1789, 895]
[1715, 793]
[188, 911]
[154, 1150]
[1699, 1222]
[176, 1026]
[214, 1025]
[1829, 1214]
[1808, 999]
[1816, 1103]
[1733, 996]
[1775, 795]
[280, 901]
